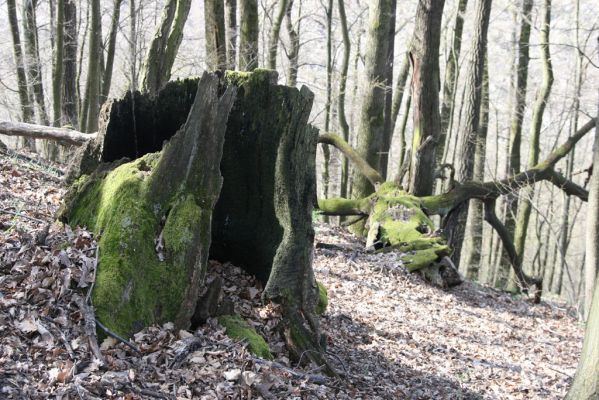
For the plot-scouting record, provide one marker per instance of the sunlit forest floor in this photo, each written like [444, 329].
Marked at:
[391, 335]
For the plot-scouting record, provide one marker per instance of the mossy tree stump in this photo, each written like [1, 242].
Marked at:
[154, 215]
[154, 212]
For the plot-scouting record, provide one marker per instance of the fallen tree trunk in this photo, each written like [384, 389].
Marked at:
[394, 219]
[60, 135]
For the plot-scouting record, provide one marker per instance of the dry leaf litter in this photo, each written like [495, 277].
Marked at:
[389, 334]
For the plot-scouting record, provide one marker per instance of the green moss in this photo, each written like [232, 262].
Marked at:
[242, 78]
[424, 257]
[115, 206]
[177, 230]
[323, 299]
[238, 329]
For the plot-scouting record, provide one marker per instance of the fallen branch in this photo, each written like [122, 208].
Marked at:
[337, 141]
[117, 337]
[60, 135]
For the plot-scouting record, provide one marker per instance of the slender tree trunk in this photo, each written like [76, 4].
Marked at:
[516, 129]
[327, 117]
[107, 75]
[473, 254]
[449, 83]
[387, 131]
[586, 381]
[70, 101]
[216, 45]
[294, 45]
[273, 41]
[165, 45]
[58, 65]
[455, 223]
[231, 37]
[342, 91]
[132, 47]
[33, 59]
[249, 33]
[94, 69]
[81, 106]
[372, 118]
[524, 209]
[400, 88]
[425, 91]
[24, 98]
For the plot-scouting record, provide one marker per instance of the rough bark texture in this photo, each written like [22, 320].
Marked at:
[216, 45]
[163, 49]
[525, 207]
[586, 381]
[449, 83]
[93, 86]
[248, 35]
[70, 100]
[231, 21]
[372, 118]
[26, 106]
[155, 217]
[273, 40]
[262, 220]
[384, 151]
[456, 222]
[58, 70]
[424, 56]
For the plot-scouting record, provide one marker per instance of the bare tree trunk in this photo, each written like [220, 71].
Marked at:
[455, 223]
[58, 71]
[94, 78]
[327, 118]
[165, 45]
[400, 88]
[294, 45]
[216, 44]
[107, 75]
[473, 254]
[524, 209]
[273, 41]
[27, 113]
[425, 91]
[231, 36]
[516, 128]
[34, 67]
[249, 33]
[342, 91]
[586, 381]
[449, 83]
[387, 130]
[372, 118]
[70, 101]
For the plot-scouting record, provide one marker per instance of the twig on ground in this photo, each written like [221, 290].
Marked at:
[5, 211]
[117, 337]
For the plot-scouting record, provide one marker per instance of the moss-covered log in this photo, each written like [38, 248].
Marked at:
[154, 215]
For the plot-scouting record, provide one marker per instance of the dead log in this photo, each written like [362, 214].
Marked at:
[61, 135]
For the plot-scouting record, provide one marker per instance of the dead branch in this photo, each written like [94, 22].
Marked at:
[60, 135]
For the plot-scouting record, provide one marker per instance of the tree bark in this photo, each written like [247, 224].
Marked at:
[60, 135]
[273, 41]
[114, 26]
[525, 207]
[586, 381]
[424, 56]
[449, 83]
[388, 115]
[231, 36]
[372, 118]
[342, 92]
[70, 101]
[473, 254]
[455, 224]
[165, 45]
[27, 113]
[94, 78]
[294, 45]
[34, 67]
[216, 45]
[249, 32]
[58, 71]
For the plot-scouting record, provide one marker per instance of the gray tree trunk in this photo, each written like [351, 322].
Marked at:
[216, 44]
[424, 56]
[248, 35]
[70, 101]
[231, 36]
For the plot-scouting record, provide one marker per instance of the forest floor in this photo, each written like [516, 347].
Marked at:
[392, 335]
